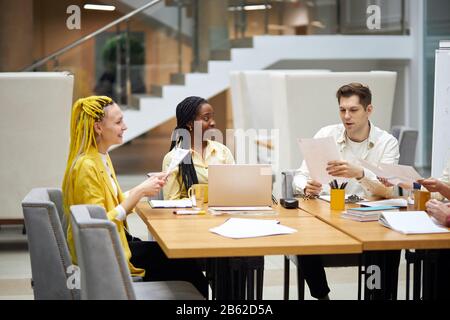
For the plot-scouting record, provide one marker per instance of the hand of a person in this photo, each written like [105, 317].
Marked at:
[152, 185]
[313, 188]
[160, 175]
[385, 182]
[432, 184]
[439, 210]
[344, 169]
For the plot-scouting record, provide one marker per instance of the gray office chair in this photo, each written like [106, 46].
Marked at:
[50, 259]
[407, 146]
[338, 260]
[103, 268]
[407, 141]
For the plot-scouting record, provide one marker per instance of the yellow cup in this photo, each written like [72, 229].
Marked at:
[200, 191]
[420, 198]
[337, 201]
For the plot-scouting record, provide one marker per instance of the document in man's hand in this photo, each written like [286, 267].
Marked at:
[238, 228]
[317, 153]
[182, 203]
[411, 222]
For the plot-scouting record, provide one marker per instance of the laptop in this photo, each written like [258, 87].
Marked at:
[240, 186]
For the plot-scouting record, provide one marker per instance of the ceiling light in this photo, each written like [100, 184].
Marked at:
[99, 7]
[250, 7]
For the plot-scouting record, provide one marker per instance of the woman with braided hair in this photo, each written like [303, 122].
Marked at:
[97, 124]
[195, 122]
[195, 116]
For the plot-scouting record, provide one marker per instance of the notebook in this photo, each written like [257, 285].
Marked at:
[367, 213]
[411, 222]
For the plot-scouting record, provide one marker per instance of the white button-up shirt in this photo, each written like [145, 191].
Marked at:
[380, 147]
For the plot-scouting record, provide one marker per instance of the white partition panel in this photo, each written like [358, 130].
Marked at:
[34, 133]
[251, 93]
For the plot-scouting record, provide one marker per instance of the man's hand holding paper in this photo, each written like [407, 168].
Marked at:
[344, 169]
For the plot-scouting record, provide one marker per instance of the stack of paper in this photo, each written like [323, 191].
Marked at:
[398, 202]
[237, 228]
[366, 213]
[410, 222]
[183, 203]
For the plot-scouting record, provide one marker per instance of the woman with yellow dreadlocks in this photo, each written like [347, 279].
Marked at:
[97, 124]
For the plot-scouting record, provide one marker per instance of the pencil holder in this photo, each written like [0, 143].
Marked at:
[337, 201]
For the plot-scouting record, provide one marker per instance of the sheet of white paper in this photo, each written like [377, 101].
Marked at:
[178, 155]
[182, 203]
[243, 213]
[394, 173]
[375, 169]
[399, 202]
[405, 174]
[317, 153]
[410, 222]
[237, 228]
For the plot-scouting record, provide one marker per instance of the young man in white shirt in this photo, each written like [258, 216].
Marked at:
[357, 138]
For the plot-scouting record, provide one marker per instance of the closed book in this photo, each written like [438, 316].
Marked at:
[371, 209]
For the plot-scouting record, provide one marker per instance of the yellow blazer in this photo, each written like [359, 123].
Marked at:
[90, 184]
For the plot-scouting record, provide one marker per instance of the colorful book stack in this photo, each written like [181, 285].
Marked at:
[367, 213]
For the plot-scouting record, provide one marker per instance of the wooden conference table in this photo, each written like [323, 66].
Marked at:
[188, 236]
[375, 237]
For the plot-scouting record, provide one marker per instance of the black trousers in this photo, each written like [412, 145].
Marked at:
[388, 262]
[436, 275]
[443, 275]
[149, 256]
[314, 274]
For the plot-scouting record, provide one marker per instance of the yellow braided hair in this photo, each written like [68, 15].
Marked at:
[85, 112]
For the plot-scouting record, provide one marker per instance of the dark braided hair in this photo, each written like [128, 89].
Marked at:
[186, 112]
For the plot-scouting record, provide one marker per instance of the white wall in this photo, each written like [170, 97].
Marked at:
[34, 133]
[441, 131]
